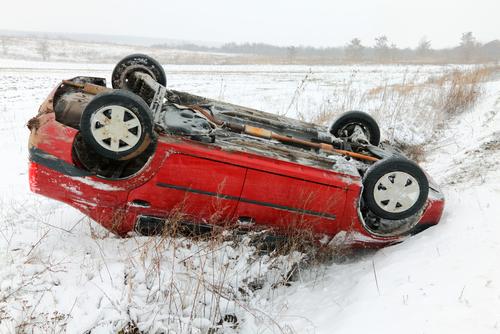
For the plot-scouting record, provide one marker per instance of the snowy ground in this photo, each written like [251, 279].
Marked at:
[445, 280]
[61, 272]
[70, 51]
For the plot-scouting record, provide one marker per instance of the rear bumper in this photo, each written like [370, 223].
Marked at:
[54, 174]
[362, 236]
[68, 184]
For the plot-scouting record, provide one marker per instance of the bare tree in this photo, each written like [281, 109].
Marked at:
[467, 39]
[382, 47]
[291, 53]
[43, 49]
[5, 48]
[354, 50]
[393, 52]
[424, 48]
[468, 46]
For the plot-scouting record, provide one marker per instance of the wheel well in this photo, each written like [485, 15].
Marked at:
[86, 158]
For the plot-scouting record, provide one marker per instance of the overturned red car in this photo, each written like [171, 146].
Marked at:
[138, 156]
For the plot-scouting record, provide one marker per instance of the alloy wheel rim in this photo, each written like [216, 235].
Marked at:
[396, 192]
[116, 128]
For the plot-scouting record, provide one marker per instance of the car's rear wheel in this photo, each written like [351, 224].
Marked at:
[118, 125]
[395, 188]
[345, 126]
[123, 73]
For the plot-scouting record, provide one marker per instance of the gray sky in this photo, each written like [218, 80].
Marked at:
[292, 22]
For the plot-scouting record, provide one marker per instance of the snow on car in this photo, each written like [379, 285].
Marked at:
[138, 156]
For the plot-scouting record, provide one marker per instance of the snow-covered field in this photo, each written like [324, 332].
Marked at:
[60, 272]
[70, 51]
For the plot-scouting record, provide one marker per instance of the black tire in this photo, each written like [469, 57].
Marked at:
[403, 174]
[134, 108]
[340, 128]
[122, 73]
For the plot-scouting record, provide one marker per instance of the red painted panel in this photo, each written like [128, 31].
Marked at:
[200, 189]
[258, 162]
[99, 201]
[53, 137]
[287, 202]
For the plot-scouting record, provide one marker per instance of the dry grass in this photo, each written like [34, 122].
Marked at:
[409, 112]
[180, 281]
[342, 98]
[413, 152]
[461, 89]
[404, 88]
[457, 90]
[205, 264]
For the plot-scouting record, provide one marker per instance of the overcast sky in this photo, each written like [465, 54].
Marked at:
[282, 22]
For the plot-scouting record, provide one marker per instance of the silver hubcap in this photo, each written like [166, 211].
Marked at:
[396, 192]
[116, 128]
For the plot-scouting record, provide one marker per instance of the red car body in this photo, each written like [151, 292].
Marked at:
[207, 185]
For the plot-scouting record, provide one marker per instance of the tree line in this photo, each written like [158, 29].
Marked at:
[468, 50]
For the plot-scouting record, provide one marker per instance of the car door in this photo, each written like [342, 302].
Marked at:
[194, 188]
[290, 202]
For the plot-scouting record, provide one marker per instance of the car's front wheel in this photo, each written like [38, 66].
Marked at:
[118, 125]
[395, 188]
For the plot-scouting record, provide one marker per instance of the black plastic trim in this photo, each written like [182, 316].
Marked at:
[50, 161]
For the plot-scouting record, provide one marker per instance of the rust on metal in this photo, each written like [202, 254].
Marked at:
[247, 129]
[258, 132]
[33, 124]
[267, 134]
[87, 87]
[356, 155]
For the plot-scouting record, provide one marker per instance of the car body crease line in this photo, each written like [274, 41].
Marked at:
[246, 200]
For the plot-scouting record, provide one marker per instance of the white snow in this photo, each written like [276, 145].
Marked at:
[96, 184]
[445, 280]
[59, 271]
[65, 51]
